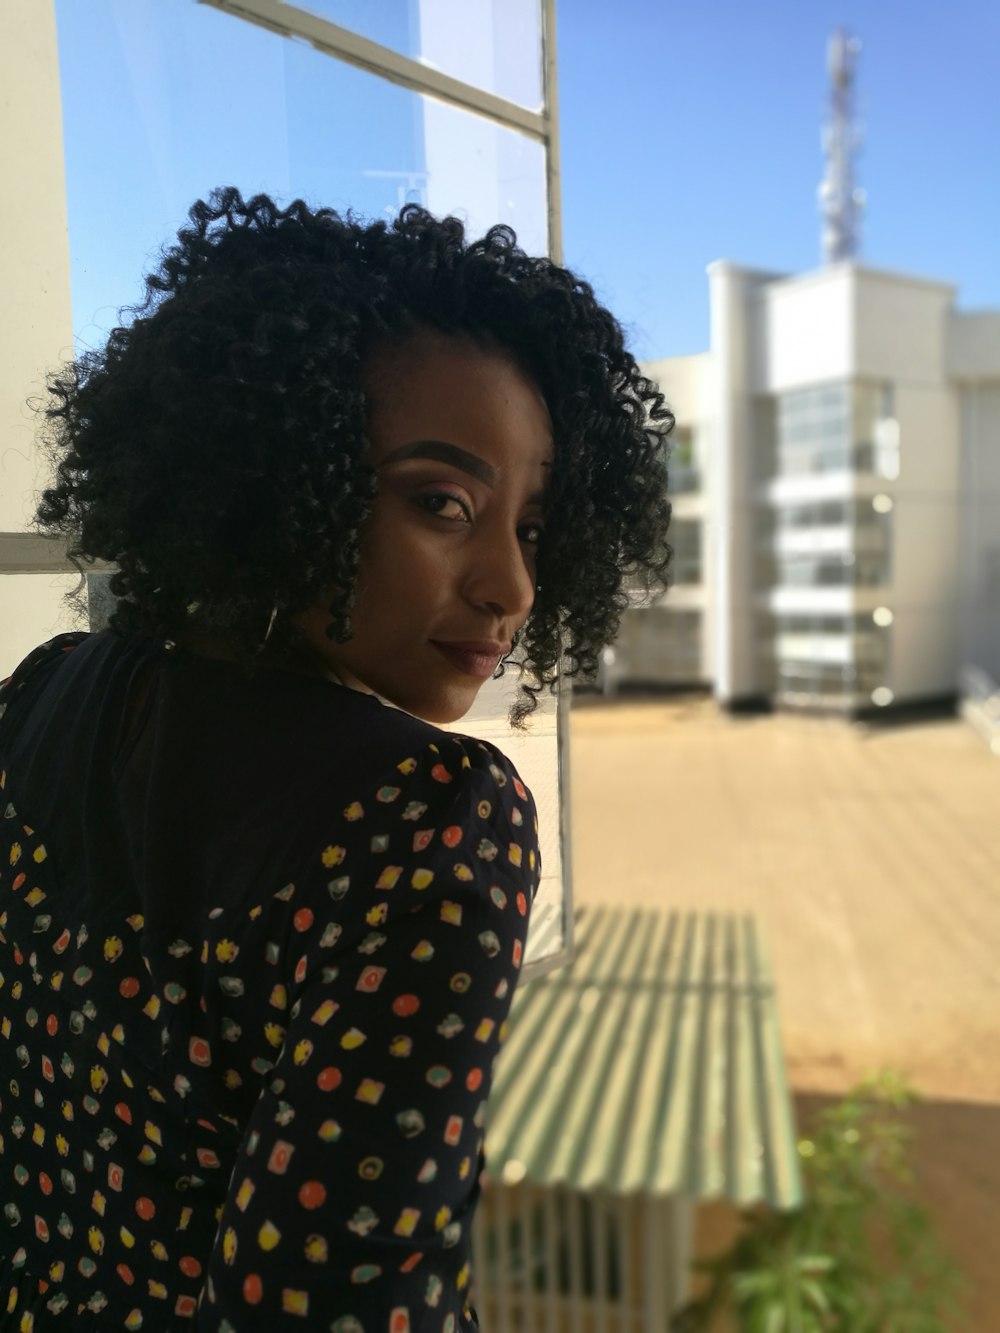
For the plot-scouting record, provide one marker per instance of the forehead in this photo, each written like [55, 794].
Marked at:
[430, 386]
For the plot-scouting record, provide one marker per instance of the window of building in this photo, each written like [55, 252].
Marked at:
[823, 660]
[685, 537]
[685, 463]
[660, 645]
[849, 426]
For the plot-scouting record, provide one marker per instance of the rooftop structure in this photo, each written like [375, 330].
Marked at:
[840, 200]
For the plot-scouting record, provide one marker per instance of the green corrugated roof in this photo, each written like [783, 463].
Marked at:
[652, 1063]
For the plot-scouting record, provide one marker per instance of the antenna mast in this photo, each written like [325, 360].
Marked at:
[840, 200]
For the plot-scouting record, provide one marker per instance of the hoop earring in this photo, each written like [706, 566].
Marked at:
[501, 665]
[270, 627]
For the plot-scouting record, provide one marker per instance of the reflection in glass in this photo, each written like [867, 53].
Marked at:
[203, 98]
[493, 44]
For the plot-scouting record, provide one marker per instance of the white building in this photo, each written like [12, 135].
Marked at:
[836, 487]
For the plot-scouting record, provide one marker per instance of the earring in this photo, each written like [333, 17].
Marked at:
[270, 627]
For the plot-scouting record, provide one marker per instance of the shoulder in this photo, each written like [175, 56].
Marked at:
[446, 786]
[450, 816]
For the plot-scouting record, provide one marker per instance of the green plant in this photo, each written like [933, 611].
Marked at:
[860, 1255]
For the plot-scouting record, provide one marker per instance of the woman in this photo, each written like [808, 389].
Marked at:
[260, 919]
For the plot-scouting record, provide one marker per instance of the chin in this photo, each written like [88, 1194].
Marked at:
[439, 711]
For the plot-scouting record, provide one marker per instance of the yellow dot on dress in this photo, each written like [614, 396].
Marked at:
[370, 1091]
[294, 1302]
[407, 1221]
[317, 1249]
[268, 1236]
[325, 1012]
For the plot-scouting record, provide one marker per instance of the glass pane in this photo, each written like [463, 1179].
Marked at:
[493, 44]
[484, 173]
[181, 123]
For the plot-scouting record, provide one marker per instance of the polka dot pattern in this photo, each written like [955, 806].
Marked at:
[275, 1117]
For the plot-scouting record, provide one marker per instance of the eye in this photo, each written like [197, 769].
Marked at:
[531, 533]
[445, 505]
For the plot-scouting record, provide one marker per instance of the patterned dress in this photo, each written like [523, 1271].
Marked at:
[258, 942]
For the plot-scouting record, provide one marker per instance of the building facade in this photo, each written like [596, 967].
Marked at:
[836, 488]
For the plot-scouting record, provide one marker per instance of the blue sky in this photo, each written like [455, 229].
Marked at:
[691, 132]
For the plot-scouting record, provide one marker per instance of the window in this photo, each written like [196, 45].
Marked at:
[830, 428]
[685, 469]
[685, 536]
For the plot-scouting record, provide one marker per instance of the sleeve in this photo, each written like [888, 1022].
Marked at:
[351, 1201]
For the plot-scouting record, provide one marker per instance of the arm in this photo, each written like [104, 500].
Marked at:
[355, 1187]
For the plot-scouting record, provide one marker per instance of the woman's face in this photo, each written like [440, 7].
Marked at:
[461, 443]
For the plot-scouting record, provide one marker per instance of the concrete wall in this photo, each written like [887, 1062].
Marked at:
[900, 327]
[35, 322]
[802, 331]
[979, 547]
[685, 382]
[973, 345]
[733, 297]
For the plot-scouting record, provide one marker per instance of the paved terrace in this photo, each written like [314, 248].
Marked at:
[873, 856]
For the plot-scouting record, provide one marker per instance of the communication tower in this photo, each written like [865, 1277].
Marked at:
[841, 201]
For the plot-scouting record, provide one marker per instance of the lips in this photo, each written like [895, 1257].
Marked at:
[476, 657]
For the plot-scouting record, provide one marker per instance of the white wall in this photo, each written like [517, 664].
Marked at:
[683, 380]
[900, 327]
[973, 345]
[32, 609]
[900, 339]
[923, 660]
[36, 329]
[979, 547]
[803, 331]
[35, 322]
[732, 292]
[925, 542]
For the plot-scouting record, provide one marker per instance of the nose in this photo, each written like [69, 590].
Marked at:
[501, 576]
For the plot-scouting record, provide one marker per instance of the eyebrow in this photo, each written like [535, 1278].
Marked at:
[443, 452]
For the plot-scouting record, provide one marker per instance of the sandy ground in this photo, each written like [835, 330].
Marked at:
[873, 856]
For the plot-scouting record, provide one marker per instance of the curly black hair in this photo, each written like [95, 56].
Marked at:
[213, 450]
